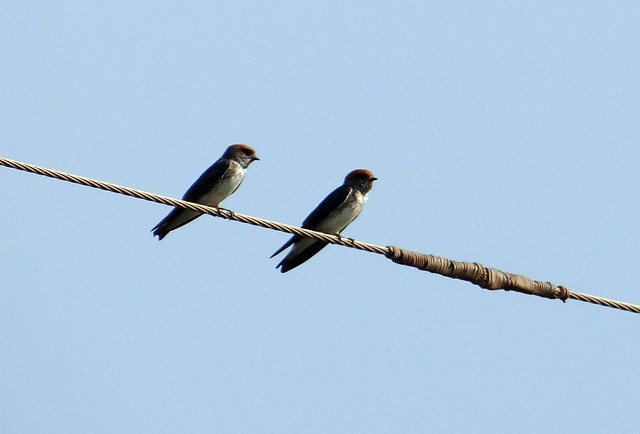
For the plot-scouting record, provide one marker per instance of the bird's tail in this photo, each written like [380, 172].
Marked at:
[177, 217]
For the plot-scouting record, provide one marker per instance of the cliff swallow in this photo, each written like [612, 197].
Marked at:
[332, 216]
[217, 183]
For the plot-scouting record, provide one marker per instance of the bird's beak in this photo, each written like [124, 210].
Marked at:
[255, 158]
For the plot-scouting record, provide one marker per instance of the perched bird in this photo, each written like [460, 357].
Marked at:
[333, 214]
[217, 183]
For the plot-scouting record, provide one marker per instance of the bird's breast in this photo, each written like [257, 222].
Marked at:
[340, 218]
[224, 187]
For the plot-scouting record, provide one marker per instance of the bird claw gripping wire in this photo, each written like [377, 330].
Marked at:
[226, 213]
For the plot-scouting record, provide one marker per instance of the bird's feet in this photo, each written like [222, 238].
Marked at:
[226, 213]
[346, 240]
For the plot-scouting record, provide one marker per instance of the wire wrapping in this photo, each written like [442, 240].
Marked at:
[487, 278]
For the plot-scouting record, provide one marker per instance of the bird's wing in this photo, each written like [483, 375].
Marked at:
[333, 201]
[208, 178]
[178, 217]
[292, 240]
[290, 262]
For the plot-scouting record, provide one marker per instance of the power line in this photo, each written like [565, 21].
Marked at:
[487, 278]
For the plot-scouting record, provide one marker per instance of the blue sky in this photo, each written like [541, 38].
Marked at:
[503, 133]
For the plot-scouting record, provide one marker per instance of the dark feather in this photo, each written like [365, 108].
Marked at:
[292, 240]
[334, 200]
[210, 177]
[164, 227]
[290, 263]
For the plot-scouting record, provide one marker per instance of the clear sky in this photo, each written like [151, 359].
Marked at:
[501, 132]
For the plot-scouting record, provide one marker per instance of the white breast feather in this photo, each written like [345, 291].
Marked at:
[224, 187]
[340, 218]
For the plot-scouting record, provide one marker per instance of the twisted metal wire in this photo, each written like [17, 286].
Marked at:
[600, 301]
[487, 278]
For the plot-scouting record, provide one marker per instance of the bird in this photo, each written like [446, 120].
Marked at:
[217, 183]
[331, 216]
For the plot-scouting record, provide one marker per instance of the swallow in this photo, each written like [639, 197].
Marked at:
[331, 216]
[217, 183]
